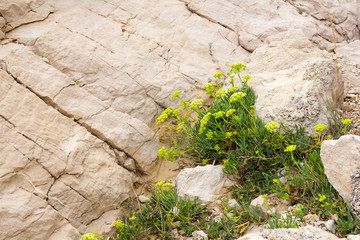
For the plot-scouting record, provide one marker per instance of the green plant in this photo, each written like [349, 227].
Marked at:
[228, 132]
[255, 153]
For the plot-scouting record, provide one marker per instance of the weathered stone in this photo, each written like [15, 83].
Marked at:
[330, 225]
[18, 12]
[353, 237]
[202, 181]
[56, 171]
[260, 203]
[292, 79]
[304, 233]
[199, 235]
[119, 129]
[334, 153]
[279, 16]
[143, 198]
[232, 203]
[349, 66]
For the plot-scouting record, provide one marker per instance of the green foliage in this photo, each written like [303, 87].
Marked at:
[228, 132]
[166, 211]
[258, 155]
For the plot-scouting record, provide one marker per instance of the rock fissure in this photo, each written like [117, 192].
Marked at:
[196, 12]
[79, 121]
[27, 23]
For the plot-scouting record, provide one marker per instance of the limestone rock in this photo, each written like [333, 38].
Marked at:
[52, 169]
[304, 233]
[279, 16]
[232, 203]
[334, 153]
[345, 178]
[202, 181]
[143, 199]
[291, 78]
[353, 237]
[18, 12]
[119, 129]
[349, 66]
[199, 235]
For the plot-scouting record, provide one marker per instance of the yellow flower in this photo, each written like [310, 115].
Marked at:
[237, 96]
[346, 121]
[176, 94]
[194, 105]
[271, 126]
[219, 114]
[132, 218]
[290, 148]
[320, 127]
[165, 115]
[159, 184]
[209, 135]
[204, 121]
[221, 93]
[119, 224]
[230, 112]
[167, 185]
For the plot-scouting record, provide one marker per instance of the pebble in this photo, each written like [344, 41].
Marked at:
[330, 225]
[232, 203]
[143, 198]
[199, 235]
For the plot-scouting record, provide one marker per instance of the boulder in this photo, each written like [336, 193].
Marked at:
[204, 182]
[345, 178]
[292, 79]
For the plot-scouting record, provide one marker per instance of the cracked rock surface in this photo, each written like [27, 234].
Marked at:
[82, 82]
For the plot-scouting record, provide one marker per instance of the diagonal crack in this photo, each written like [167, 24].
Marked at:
[79, 121]
[194, 11]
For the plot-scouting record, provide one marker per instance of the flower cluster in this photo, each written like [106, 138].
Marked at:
[218, 75]
[321, 199]
[209, 87]
[230, 112]
[237, 96]
[221, 93]
[228, 135]
[162, 184]
[320, 127]
[219, 114]
[165, 115]
[272, 126]
[209, 135]
[176, 94]
[180, 127]
[90, 236]
[234, 88]
[120, 224]
[290, 148]
[204, 121]
[194, 105]
[346, 121]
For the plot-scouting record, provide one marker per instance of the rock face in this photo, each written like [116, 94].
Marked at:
[292, 79]
[53, 169]
[82, 81]
[204, 182]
